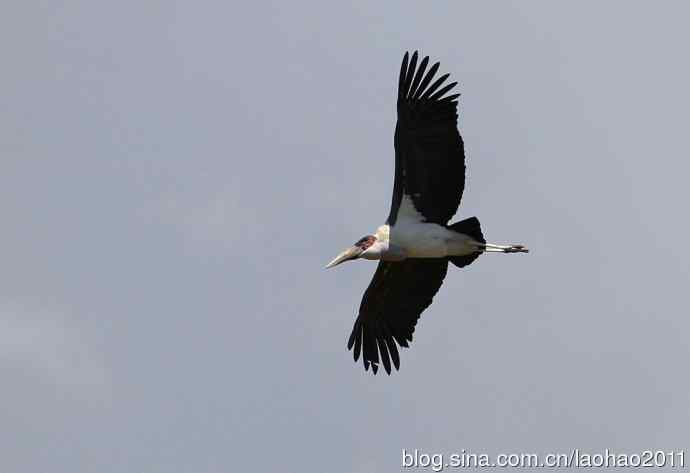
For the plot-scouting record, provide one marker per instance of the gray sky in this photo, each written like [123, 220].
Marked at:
[174, 176]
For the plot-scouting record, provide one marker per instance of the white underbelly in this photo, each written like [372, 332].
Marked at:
[429, 240]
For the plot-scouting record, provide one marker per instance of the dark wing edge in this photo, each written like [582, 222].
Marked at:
[429, 157]
[397, 295]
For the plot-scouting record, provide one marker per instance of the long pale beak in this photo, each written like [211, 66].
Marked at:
[350, 253]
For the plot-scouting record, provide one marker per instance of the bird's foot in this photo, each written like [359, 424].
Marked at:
[516, 249]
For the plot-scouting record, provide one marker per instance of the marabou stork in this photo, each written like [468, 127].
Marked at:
[416, 243]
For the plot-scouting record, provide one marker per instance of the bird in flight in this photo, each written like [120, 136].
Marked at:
[416, 243]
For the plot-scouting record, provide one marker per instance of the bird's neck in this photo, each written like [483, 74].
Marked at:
[383, 233]
[387, 250]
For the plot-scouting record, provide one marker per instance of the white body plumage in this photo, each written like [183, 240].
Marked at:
[411, 237]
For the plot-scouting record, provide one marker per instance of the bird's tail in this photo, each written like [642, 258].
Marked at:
[470, 227]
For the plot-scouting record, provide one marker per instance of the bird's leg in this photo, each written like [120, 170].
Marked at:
[491, 248]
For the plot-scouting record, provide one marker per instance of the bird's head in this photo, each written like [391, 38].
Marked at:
[355, 251]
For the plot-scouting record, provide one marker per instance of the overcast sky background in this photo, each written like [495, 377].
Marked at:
[175, 175]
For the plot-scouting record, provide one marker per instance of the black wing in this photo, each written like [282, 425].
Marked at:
[394, 300]
[429, 152]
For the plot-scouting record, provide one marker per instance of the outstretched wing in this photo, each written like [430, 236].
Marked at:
[394, 300]
[429, 152]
